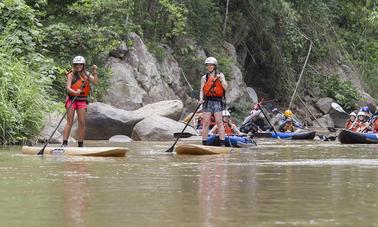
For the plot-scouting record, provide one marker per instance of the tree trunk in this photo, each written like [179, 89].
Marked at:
[225, 18]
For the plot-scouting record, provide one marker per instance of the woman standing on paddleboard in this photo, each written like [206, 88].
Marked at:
[212, 97]
[78, 88]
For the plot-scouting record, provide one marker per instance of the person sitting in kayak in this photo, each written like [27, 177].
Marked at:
[350, 121]
[229, 127]
[362, 123]
[196, 121]
[287, 123]
[366, 110]
[255, 122]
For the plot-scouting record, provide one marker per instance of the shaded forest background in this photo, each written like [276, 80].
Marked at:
[39, 38]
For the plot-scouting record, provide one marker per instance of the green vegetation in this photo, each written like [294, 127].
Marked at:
[39, 38]
[342, 91]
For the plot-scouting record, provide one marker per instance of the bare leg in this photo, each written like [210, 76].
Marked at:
[219, 122]
[70, 119]
[81, 113]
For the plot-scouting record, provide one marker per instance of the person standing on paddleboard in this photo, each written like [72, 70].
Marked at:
[78, 88]
[212, 97]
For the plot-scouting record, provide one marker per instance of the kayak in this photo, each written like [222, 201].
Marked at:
[196, 149]
[287, 135]
[78, 151]
[231, 141]
[347, 136]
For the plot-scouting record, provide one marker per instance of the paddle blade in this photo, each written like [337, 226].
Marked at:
[252, 94]
[41, 151]
[338, 108]
[170, 150]
[182, 135]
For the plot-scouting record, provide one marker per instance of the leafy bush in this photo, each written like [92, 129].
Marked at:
[23, 100]
[342, 91]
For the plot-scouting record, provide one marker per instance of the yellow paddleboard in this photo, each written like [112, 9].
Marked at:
[196, 149]
[78, 151]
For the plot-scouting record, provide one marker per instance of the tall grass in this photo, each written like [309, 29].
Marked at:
[23, 100]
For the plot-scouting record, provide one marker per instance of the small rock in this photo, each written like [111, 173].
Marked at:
[120, 139]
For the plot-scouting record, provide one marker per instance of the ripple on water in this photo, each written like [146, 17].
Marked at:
[325, 162]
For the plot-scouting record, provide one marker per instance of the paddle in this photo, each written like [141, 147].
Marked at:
[252, 94]
[183, 134]
[338, 108]
[186, 125]
[262, 111]
[56, 128]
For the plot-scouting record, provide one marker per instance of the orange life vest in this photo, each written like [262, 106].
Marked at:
[78, 84]
[288, 127]
[359, 126]
[374, 125]
[211, 88]
[228, 129]
[348, 124]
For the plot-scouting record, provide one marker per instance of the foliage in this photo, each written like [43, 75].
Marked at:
[25, 74]
[342, 91]
[160, 20]
[23, 100]
[157, 50]
[271, 38]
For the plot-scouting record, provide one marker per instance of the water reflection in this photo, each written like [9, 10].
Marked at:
[75, 184]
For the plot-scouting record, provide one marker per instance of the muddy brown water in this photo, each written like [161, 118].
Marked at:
[278, 183]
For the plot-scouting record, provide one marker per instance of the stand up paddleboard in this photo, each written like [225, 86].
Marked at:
[196, 149]
[78, 151]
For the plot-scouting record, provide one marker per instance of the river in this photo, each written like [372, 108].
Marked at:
[279, 183]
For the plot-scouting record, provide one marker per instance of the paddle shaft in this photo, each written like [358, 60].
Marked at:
[186, 125]
[262, 111]
[56, 128]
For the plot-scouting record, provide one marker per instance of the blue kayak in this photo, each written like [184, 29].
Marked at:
[287, 135]
[349, 137]
[236, 141]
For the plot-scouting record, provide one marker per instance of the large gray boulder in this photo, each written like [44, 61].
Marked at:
[338, 118]
[324, 104]
[325, 121]
[237, 88]
[51, 121]
[170, 108]
[138, 78]
[158, 128]
[104, 121]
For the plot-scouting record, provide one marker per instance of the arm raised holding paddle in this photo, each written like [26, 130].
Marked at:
[78, 88]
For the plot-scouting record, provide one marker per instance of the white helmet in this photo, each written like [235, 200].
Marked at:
[79, 60]
[211, 60]
[361, 113]
[225, 113]
[353, 114]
